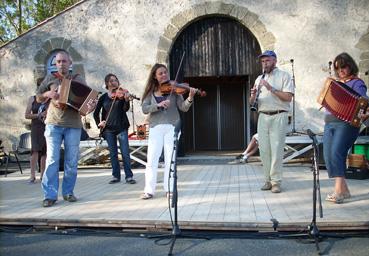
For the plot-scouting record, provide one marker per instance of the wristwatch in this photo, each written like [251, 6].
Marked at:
[273, 90]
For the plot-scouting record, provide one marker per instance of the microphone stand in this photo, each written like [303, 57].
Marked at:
[133, 118]
[294, 132]
[176, 231]
[293, 100]
[313, 228]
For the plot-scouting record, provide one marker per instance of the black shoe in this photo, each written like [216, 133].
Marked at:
[244, 161]
[70, 198]
[48, 202]
[113, 181]
[130, 180]
[239, 156]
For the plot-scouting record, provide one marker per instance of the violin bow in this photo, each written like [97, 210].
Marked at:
[179, 68]
[108, 115]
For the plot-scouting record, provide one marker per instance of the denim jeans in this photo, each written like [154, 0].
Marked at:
[55, 135]
[337, 139]
[111, 139]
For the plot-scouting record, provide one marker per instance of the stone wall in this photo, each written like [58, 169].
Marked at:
[128, 37]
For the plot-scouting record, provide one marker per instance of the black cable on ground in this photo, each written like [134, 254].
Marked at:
[300, 235]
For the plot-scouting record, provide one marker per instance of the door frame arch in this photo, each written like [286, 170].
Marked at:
[182, 20]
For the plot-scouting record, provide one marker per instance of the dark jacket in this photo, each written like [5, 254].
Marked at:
[118, 120]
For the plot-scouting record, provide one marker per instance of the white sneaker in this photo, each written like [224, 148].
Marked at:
[244, 160]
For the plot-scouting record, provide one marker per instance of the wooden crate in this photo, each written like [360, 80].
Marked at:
[357, 161]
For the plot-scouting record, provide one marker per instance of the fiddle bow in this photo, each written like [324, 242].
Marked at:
[180, 88]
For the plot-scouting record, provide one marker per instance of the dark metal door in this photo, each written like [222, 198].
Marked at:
[217, 121]
[217, 47]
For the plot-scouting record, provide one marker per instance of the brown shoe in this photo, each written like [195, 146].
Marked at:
[266, 186]
[276, 188]
[48, 202]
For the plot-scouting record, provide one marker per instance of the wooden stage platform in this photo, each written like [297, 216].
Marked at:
[212, 196]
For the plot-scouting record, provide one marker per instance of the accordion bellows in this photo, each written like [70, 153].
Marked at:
[76, 95]
[342, 101]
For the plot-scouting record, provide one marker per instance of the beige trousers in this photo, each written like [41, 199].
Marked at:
[272, 135]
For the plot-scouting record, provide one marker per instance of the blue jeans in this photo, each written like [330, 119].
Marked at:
[50, 181]
[337, 140]
[111, 139]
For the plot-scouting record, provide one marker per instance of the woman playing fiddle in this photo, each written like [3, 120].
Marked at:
[162, 110]
[114, 125]
[339, 136]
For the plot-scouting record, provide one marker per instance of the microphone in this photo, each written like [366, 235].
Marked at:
[291, 60]
[177, 128]
[312, 136]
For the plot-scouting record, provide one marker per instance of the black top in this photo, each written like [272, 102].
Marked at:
[118, 120]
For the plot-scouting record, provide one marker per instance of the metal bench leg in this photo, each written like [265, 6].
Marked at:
[20, 167]
[6, 166]
[7, 163]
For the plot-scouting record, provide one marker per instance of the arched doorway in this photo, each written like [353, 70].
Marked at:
[221, 58]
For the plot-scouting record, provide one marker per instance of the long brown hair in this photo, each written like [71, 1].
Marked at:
[107, 78]
[345, 60]
[152, 84]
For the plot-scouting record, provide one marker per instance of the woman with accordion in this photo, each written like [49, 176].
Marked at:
[339, 136]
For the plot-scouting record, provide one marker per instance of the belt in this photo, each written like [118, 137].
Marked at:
[270, 113]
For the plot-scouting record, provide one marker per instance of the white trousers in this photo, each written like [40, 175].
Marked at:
[272, 135]
[160, 136]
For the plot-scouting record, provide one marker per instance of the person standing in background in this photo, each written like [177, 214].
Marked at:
[36, 111]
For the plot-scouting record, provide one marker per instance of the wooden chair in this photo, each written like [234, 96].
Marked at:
[24, 147]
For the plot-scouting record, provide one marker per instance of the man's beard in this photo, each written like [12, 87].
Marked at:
[269, 69]
[63, 71]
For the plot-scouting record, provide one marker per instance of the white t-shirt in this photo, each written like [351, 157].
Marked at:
[281, 81]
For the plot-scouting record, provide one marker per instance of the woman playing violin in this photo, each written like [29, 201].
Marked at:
[163, 114]
[114, 125]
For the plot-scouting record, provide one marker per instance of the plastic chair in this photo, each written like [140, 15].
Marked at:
[24, 147]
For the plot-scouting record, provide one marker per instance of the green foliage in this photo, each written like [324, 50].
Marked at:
[48, 8]
[14, 18]
[17, 16]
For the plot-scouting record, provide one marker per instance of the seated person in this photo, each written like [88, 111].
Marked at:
[250, 150]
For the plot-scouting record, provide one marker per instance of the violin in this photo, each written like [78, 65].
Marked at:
[121, 94]
[172, 86]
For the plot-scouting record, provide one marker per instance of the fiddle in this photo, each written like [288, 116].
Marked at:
[121, 94]
[168, 87]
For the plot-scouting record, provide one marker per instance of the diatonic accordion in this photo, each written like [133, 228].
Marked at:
[342, 101]
[76, 95]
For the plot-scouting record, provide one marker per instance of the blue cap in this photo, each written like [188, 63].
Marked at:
[268, 54]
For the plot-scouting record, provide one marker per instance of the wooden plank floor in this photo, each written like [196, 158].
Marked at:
[211, 196]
